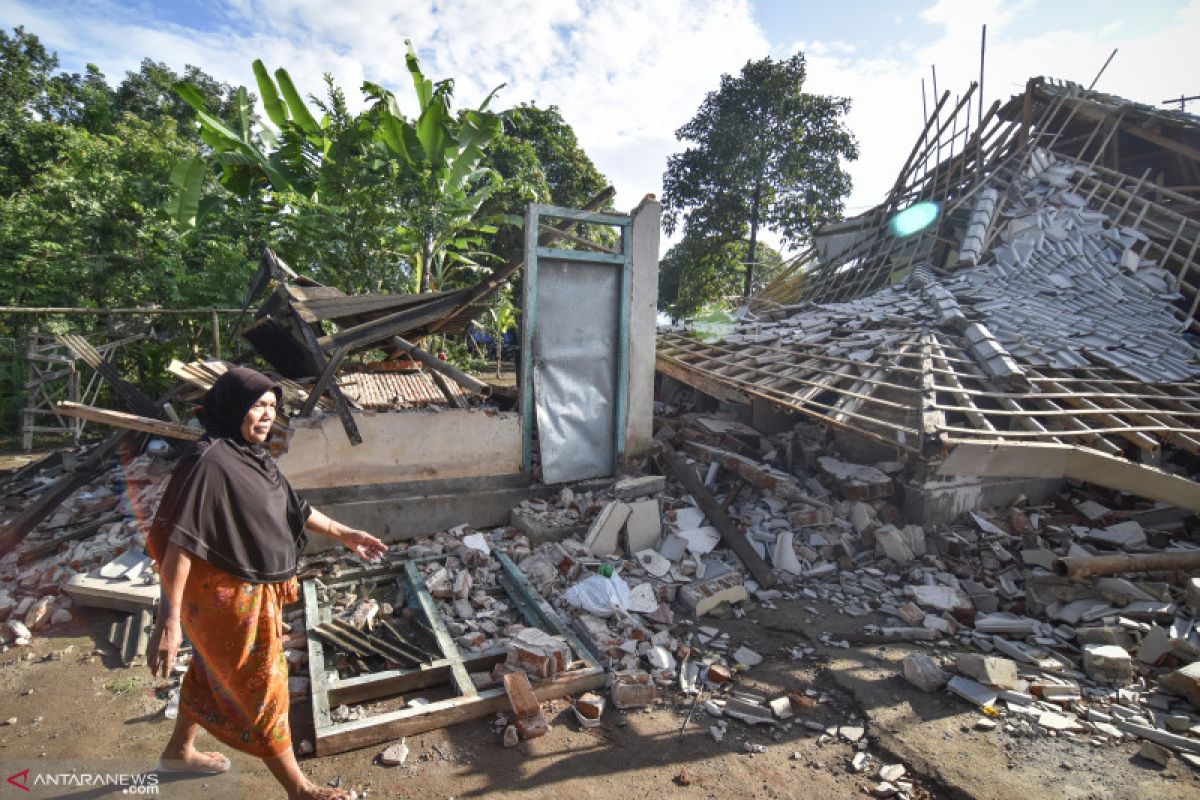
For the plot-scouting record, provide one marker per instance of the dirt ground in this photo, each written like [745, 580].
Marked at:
[77, 712]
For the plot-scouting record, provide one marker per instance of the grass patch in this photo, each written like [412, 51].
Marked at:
[123, 685]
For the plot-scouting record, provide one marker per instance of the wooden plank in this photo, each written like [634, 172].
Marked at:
[339, 399]
[120, 419]
[411, 721]
[318, 680]
[698, 380]
[730, 533]
[458, 673]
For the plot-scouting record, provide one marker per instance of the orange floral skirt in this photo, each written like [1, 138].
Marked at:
[237, 684]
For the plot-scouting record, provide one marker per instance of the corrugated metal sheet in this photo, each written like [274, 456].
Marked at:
[383, 391]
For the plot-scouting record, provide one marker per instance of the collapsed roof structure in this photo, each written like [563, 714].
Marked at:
[1043, 326]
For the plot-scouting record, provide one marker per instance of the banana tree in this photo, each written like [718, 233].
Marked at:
[442, 153]
[250, 156]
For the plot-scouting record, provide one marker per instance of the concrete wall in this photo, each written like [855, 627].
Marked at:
[400, 447]
[644, 238]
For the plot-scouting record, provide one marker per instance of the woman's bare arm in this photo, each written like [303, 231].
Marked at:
[363, 544]
[168, 632]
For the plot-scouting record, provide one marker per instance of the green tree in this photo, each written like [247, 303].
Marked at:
[698, 271]
[540, 159]
[764, 153]
[424, 176]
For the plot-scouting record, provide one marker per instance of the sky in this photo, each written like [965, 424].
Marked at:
[627, 73]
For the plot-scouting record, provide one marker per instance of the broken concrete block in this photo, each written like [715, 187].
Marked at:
[1155, 645]
[914, 537]
[643, 599]
[856, 481]
[631, 488]
[810, 517]
[673, 547]
[862, 517]
[477, 542]
[911, 613]
[686, 518]
[1155, 752]
[1124, 534]
[892, 543]
[1184, 682]
[38, 616]
[782, 707]
[538, 653]
[541, 528]
[703, 596]
[1003, 622]
[643, 527]
[527, 711]
[700, 541]
[395, 755]
[653, 562]
[923, 672]
[1058, 722]
[992, 670]
[1107, 663]
[631, 688]
[942, 598]
[511, 737]
[972, 691]
[749, 712]
[602, 537]
[744, 655]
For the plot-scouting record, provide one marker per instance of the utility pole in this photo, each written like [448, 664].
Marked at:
[1183, 101]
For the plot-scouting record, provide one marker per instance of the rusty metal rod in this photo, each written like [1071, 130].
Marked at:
[1086, 566]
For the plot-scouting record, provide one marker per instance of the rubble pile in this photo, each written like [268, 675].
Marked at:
[97, 529]
[1106, 658]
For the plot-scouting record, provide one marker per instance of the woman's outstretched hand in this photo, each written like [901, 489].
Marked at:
[364, 545]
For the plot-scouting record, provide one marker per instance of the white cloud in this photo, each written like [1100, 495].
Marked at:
[625, 73]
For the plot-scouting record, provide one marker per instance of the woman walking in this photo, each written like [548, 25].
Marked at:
[226, 539]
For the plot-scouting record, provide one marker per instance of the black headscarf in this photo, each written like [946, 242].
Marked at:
[227, 502]
[225, 405]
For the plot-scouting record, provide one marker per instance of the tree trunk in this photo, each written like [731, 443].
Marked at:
[753, 241]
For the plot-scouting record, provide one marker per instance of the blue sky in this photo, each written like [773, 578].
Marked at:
[627, 73]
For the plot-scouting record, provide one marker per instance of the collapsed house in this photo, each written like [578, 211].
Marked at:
[1044, 326]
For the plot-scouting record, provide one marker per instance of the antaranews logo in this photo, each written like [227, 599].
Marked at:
[20, 780]
[129, 783]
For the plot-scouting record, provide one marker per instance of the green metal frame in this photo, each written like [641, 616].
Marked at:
[450, 670]
[534, 214]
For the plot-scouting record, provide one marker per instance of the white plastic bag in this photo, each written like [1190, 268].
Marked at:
[599, 595]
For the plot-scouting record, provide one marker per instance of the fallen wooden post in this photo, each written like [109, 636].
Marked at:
[717, 516]
[762, 476]
[472, 385]
[1086, 566]
[119, 419]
